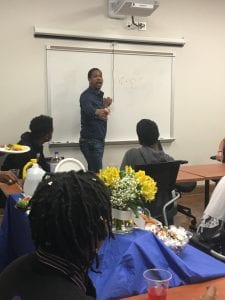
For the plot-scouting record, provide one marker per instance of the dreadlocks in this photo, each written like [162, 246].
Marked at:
[70, 215]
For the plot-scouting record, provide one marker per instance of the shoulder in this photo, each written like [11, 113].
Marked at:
[29, 276]
[132, 151]
[162, 156]
[88, 91]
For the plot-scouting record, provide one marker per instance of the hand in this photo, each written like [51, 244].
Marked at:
[8, 177]
[210, 294]
[102, 113]
[107, 101]
[219, 156]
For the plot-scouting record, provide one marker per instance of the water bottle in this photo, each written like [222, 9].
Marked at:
[54, 161]
[33, 174]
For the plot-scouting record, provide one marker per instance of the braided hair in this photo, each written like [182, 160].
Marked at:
[70, 215]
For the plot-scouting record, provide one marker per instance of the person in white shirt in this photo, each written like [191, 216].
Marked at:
[213, 219]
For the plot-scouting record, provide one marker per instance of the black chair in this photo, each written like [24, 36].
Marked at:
[185, 210]
[164, 207]
[186, 187]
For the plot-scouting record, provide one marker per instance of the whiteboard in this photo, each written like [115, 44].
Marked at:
[140, 83]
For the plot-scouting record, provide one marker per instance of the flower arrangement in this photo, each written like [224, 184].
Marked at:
[129, 189]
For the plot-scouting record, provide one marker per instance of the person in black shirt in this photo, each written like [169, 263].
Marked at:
[41, 129]
[70, 216]
[94, 113]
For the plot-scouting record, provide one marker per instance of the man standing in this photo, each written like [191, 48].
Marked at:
[94, 114]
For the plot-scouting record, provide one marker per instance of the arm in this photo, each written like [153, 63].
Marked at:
[102, 113]
[219, 154]
[90, 111]
[86, 107]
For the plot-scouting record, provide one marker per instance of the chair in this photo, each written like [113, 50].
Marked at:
[187, 188]
[164, 207]
[69, 164]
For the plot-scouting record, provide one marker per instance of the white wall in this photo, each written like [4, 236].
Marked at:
[199, 75]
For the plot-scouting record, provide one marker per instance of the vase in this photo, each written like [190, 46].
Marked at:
[122, 220]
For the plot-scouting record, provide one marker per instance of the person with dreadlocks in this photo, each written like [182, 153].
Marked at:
[70, 216]
[41, 129]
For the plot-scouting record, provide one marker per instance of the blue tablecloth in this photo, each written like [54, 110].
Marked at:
[122, 261]
[15, 234]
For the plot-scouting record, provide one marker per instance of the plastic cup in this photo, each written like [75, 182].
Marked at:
[157, 283]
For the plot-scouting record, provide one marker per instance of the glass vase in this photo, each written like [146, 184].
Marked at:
[122, 220]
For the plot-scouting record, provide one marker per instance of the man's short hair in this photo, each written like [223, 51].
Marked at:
[92, 71]
[147, 131]
[41, 125]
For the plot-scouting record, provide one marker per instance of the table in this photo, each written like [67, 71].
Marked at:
[122, 260]
[207, 172]
[193, 291]
[183, 176]
[15, 235]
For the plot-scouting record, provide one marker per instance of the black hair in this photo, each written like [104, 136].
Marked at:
[70, 215]
[41, 125]
[147, 131]
[92, 71]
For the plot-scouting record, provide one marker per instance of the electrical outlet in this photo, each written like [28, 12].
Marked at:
[142, 26]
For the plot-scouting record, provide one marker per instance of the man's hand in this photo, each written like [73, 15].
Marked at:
[8, 177]
[107, 101]
[102, 113]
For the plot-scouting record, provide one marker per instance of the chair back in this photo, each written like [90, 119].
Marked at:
[68, 164]
[165, 174]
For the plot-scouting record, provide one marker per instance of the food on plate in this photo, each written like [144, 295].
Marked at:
[174, 237]
[149, 220]
[15, 147]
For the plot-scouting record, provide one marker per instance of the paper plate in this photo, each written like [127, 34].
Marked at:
[25, 149]
[69, 164]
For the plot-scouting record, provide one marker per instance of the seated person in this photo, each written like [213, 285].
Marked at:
[150, 151]
[220, 155]
[41, 129]
[70, 216]
[213, 218]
